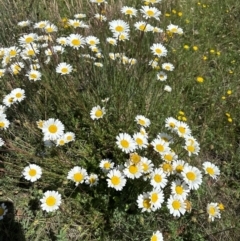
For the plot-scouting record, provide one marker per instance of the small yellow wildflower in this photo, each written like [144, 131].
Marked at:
[181, 112]
[229, 92]
[233, 61]
[167, 14]
[186, 46]
[212, 51]
[230, 120]
[179, 117]
[221, 206]
[200, 79]
[174, 11]
[204, 57]
[230, 72]
[187, 21]
[184, 118]
[199, 3]
[204, 5]
[195, 48]
[223, 98]
[218, 53]
[227, 114]
[180, 14]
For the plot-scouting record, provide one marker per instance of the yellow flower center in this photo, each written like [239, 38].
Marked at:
[76, 24]
[61, 142]
[99, 113]
[69, 138]
[42, 25]
[133, 169]
[179, 168]
[106, 165]
[92, 180]
[29, 39]
[1, 211]
[191, 176]
[168, 157]
[146, 203]
[210, 170]
[158, 51]
[92, 42]
[157, 178]
[145, 167]
[154, 238]
[212, 211]
[190, 148]
[52, 128]
[32, 172]
[176, 204]
[139, 141]
[150, 13]
[13, 52]
[135, 158]
[160, 147]
[33, 76]
[18, 95]
[2, 124]
[167, 167]
[64, 70]
[119, 29]
[129, 11]
[142, 27]
[78, 177]
[30, 52]
[182, 129]
[51, 201]
[124, 143]
[76, 42]
[49, 29]
[179, 190]
[167, 67]
[173, 30]
[154, 197]
[115, 180]
[171, 124]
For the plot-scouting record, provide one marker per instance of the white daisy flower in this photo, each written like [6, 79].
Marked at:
[178, 166]
[121, 36]
[125, 142]
[174, 29]
[13, 51]
[150, 12]
[171, 123]
[97, 112]
[62, 41]
[192, 148]
[182, 129]
[169, 156]
[34, 75]
[116, 180]
[180, 189]
[119, 26]
[92, 180]
[160, 146]
[213, 211]
[4, 123]
[69, 136]
[143, 26]
[142, 120]
[157, 236]
[106, 165]
[140, 140]
[168, 66]
[211, 169]
[3, 210]
[158, 178]
[147, 165]
[75, 41]
[64, 68]
[92, 40]
[32, 172]
[162, 76]
[76, 23]
[192, 176]
[50, 28]
[41, 24]
[77, 174]
[60, 141]
[52, 129]
[80, 15]
[168, 88]
[51, 201]
[176, 206]
[27, 39]
[156, 199]
[24, 23]
[18, 94]
[144, 202]
[129, 11]
[132, 170]
[100, 17]
[157, 30]
[8, 100]
[158, 50]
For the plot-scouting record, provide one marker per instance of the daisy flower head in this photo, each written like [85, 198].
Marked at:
[168, 66]
[121, 36]
[129, 11]
[80, 15]
[18, 94]
[77, 174]
[192, 148]
[125, 142]
[150, 12]
[41, 24]
[97, 112]
[162, 76]
[62, 41]
[75, 41]
[160, 146]
[182, 129]
[4, 123]
[143, 26]
[24, 23]
[92, 40]
[168, 88]
[112, 41]
[100, 17]
[158, 50]
[157, 30]
[75, 23]
[174, 29]
[147, 165]
[158, 178]
[140, 140]
[132, 170]
[180, 189]
[157, 236]
[51, 201]
[171, 123]
[167, 168]
[106, 165]
[2, 72]
[52, 129]
[40, 124]
[211, 169]
[156, 198]
[116, 180]
[64, 68]
[213, 211]
[92, 180]
[34, 75]
[50, 28]
[142, 121]
[169, 156]
[176, 206]
[3, 210]
[144, 202]
[119, 26]
[178, 166]
[13, 51]
[192, 176]
[8, 100]
[32, 172]
[69, 136]
[135, 158]
[60, 141]
[27, 39]
[98, 64]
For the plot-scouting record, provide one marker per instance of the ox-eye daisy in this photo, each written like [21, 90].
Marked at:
[92, 180]
[144, 202]
[18, 94]
[51, 201]
[132, 171]
[213, 211]
[158, 50]
[97, 112]
[162, 76]
[157, 236]
[211, 169]
[129, 11]
[150, 12]
[75, 41]
[168, 66]
[180, 189]
[192, 176]
[64, 68]
[125, 142]
[69, 136]
[176, 206]
[157, 198]
[52, 129]
[34, 75]
[77, 174]
[142, 120]
[160, 146]
[106, 165]
[147, 165]
[158, 178]
[118, 26]
[116, 180]
[32, 172]
[140, 140]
